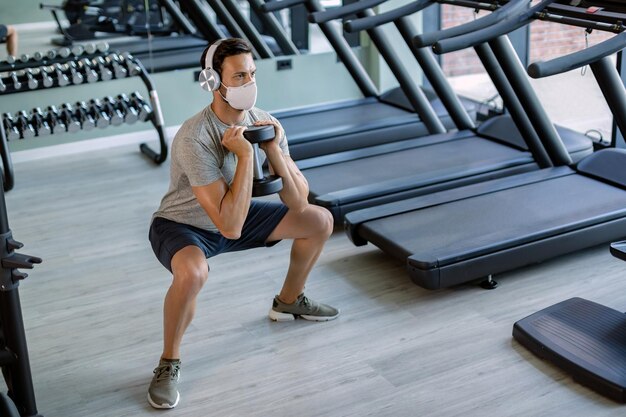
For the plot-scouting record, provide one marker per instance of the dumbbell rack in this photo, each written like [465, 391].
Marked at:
[28, 75]
[13, 349]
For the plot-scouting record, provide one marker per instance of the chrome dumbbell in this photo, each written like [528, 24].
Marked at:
[109, 105]
[81, 112]
[46, 79]
[144, 109]
[131, 115]
[23, 125]
[9, 126]
[85, 66]
[3, 86]
[62, 78]
[105, 73]
[16, 82]
[77, 77]
[54, 120]
[97, 112]
[37, 119]
[67, 115]
[32, 82]
[128, 60]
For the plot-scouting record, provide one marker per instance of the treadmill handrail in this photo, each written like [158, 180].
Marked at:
[276, 5]
[510, 9]
[510, 23]
[365, 23]
[578, 59]
[343, 11]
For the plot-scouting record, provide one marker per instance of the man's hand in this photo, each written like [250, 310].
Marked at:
[234, 141]
[274, 144]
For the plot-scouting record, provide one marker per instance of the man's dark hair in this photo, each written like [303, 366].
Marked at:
[228, 47]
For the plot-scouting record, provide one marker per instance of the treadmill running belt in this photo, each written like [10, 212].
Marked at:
[457, 155]
[337, 121]
[586, 339]
[468, 228]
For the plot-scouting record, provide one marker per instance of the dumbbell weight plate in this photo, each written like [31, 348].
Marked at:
[266, 186]
[259, 134]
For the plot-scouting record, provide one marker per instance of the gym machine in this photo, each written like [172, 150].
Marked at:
[502, 224]
[63, 67]
[14, 359]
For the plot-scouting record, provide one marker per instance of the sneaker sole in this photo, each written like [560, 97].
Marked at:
[278, 316]
[164, 406]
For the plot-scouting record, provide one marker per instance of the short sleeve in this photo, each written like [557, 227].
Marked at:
[199, 162]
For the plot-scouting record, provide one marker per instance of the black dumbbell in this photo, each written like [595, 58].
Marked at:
[16, 83]
[37, 119]
[110, 106]
[131, 115]
[62, 78]
[85, 65]
[26, 129]
[262, 184]
[47, 80]
[101, 117]
[33, 83]
[54, 120]
[144, 109]
[9, 127]
[105, 73]
[81, 112]
[77, 76]
[67, 115]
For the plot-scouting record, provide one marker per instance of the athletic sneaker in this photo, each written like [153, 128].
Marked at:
[303, 307]
[163, 392]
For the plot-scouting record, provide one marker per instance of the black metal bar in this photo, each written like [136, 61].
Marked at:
[156, 119]
[435, 76]
[416, 96]
[299, 18]
[22, 391]
[617, 138]
[179, 18]
[274, 6]
[503, 50]
[7, 162]
[231, 25]
[345, 53]
[210, 31]
[343, 11]
[513, 105]
[613, 90]
[273, 28]
[249, 31]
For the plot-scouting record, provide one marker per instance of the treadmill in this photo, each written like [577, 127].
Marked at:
[455, 236]
[350, 124]
[584, 338]
[504, 145]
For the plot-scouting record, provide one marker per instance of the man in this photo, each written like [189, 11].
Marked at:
[208, 208]
[8, 34]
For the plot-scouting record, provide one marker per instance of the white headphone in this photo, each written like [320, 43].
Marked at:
[209, 78]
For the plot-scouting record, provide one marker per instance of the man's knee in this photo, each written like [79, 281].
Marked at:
[322, 221]
[190, 269]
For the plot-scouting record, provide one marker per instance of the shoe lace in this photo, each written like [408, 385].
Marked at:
[167, 371]
[305, 301]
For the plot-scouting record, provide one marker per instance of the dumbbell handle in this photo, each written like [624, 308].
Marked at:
[258, 169]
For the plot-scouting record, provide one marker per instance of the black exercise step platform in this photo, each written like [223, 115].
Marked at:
[585, 339]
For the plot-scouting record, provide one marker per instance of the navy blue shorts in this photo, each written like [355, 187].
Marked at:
[168, 237]
[4, 31]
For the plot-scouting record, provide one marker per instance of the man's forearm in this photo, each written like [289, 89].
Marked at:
[236, 202]
[295, 188]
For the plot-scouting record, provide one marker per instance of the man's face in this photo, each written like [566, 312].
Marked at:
[238, 70]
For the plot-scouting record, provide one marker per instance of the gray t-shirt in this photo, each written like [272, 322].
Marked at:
[199, 158]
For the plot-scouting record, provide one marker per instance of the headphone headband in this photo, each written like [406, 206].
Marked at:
[209, 78]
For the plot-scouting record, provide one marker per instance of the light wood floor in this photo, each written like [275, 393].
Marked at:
[93, 317]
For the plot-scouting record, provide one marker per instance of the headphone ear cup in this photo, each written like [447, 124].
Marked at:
[209, 79]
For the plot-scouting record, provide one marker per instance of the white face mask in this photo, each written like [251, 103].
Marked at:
[242, 97]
